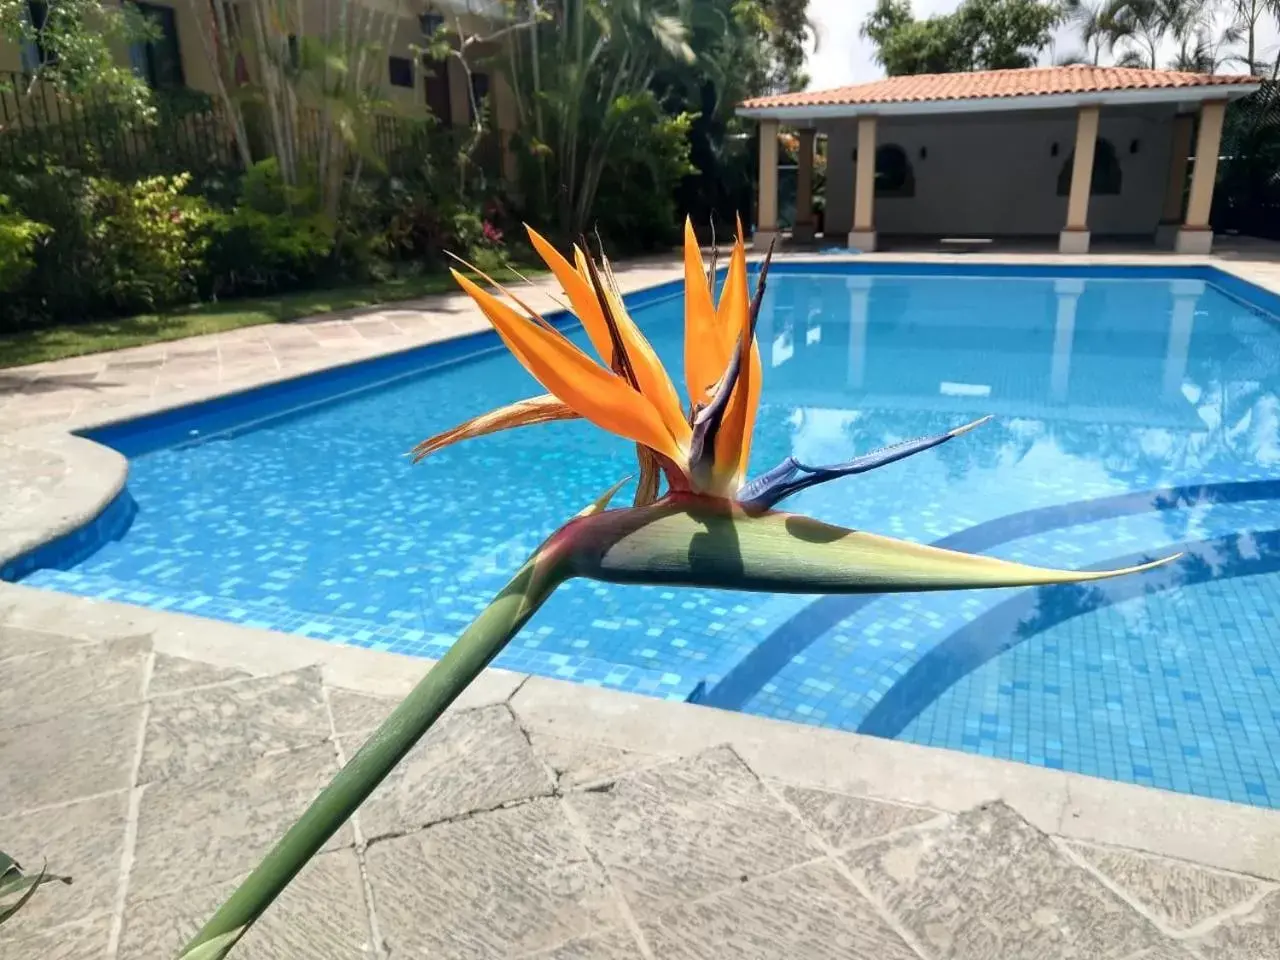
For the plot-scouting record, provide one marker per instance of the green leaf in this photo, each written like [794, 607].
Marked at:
[214, 949]
[13, 882]
[698, 541]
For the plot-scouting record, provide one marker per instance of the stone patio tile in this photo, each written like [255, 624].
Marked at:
[610, 945]
[82, 941]
[357, 712]
[472, 760]
[170, 674]
[19, 641]
[1179, 894]
[989, 885]
[321, 915]
[576, 762]
[1255, 936]
[498, 884]
[82, 840]
[812, 912]
[685, 829]
[841, 820]
[197, 829]
[72, 679]
[76, 755]
[202, 729]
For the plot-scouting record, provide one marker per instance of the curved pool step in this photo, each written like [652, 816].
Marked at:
[1031, 612]
[746, 680]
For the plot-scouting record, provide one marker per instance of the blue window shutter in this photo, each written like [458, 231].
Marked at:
[138, 58]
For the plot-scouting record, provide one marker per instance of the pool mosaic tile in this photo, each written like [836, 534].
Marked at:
[315, 522]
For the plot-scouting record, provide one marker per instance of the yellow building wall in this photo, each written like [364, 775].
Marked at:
[197, 70]
[192, 17]
[10, 57]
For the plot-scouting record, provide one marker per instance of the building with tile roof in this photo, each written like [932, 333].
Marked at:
[1075, 151]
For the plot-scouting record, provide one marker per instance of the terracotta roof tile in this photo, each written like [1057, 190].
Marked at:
[1036, 81]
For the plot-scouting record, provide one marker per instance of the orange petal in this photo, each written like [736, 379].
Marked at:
[655, 382]
[735, 300]
[522, 413]
[578, 289]
[733, 440]
[651, 376]
[575, 378]
[703, 365]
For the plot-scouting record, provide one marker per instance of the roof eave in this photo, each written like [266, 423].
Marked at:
[1044, 101]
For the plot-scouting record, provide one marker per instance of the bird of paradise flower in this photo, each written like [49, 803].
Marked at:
[712, 527]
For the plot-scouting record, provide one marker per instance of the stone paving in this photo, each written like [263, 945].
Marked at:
[512, 831]
[100, 387]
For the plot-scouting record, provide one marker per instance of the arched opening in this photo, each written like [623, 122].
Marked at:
[894, 175]
[1107, 175]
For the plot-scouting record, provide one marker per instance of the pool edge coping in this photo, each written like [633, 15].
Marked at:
[1213, 833]
[1217, 833]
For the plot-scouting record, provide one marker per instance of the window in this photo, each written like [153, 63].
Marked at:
[35, 53]
[159, 61]
[400, 71]
[436, 73]
[437, 89]
[1107, 175]
[479, 92]
[894, 175]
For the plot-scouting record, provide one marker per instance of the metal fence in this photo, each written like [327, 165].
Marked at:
[41, 126]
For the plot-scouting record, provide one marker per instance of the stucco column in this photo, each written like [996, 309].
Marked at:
[1075, 237]
[1196, 236]
[1186, 294]
[802, 230]
[863, 234]
[767, 199]
[1064, 331]
[1175, 188]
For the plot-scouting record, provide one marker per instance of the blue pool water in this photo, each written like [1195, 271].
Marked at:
[1133, 413]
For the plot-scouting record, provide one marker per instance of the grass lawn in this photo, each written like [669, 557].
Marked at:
[52, 343]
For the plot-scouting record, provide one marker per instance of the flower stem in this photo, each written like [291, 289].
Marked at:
[469, 655]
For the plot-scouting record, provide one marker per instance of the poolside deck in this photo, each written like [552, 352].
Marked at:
[155, 756]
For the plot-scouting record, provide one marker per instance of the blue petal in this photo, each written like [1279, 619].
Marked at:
[792, 476]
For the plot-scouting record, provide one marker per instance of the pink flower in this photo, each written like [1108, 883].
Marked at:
[492, 234]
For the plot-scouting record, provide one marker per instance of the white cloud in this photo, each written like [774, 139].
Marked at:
[842, 57]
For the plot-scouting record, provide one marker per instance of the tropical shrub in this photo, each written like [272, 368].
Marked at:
[60, 282]
[104, 246]
[254, 251]
[147, 242]
[649, 161]
[18, 236]
[274, 238]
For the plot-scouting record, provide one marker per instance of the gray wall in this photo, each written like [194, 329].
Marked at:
[993, 174]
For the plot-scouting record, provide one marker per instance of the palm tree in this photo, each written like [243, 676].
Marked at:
[577, 78]
[1093, 25]
[1246, 14]
[1138, 27]
[1200, 52]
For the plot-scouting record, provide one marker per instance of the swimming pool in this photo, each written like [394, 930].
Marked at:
[1135, 410]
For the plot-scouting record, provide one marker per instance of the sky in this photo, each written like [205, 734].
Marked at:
[842, 57]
